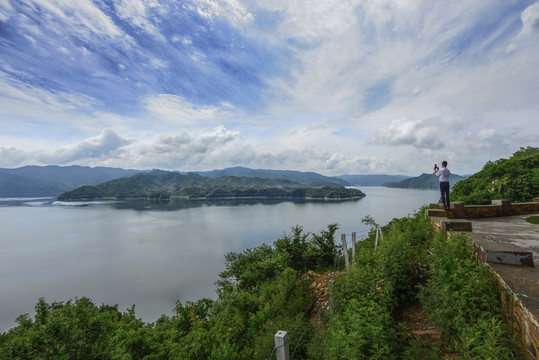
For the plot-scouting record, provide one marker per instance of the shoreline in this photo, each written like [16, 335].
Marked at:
[307, 198]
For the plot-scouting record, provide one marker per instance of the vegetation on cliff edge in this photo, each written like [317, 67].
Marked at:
[515, 179]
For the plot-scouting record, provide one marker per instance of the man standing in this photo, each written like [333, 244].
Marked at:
[444, 182]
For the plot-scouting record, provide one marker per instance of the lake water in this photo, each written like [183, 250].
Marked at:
[151, 254]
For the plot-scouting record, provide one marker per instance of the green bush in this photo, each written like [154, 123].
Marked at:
[516, 179]
[462, 299]
[367, 298]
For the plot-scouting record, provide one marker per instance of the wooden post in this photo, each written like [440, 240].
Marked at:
[281, 345]
[345, 251]
[353, 248]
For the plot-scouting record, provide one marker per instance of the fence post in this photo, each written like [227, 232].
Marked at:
[353, 248]
[281, 345]
[378, 231]
[345, 250]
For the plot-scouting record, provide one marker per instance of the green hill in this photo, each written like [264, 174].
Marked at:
[516, 179]
[423, 181]
[164, 185]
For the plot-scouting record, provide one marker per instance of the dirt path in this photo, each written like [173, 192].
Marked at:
[415, 321]
[320, 284]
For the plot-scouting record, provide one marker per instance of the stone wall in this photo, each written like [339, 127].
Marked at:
[522, 321]
[498, 208]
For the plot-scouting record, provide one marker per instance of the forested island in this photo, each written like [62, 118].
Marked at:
[166, 185]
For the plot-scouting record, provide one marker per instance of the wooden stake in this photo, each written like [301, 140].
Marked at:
[345, 251]
[353, 248]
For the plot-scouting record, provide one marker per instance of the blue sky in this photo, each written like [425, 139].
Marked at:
[335, 87]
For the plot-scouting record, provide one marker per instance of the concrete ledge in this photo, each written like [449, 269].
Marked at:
[456, 225]
[508, 254]
[436, 212]
[510, 257]
[436, 206]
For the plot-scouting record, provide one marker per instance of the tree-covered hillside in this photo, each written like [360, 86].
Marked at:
[423, 181]
[164, 185]
[516, 179]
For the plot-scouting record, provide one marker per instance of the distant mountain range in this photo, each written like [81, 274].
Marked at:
[166, 185]
[371, 180]
[305, 178]
[423, 181]
[53, 180]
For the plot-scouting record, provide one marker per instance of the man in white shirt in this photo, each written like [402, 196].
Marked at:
[443, 173]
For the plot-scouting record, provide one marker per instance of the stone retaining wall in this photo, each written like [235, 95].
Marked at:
[517, 316]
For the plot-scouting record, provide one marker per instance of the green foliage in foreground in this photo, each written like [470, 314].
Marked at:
[261, 291]
[264, 289]
[368, 298]
[516, 179]
[462, 299]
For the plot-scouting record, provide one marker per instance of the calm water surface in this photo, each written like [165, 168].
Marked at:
[151, 254]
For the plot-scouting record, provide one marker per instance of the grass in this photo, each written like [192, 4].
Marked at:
[533, 219]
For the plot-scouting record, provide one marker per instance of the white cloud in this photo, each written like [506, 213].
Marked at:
[106, 144]
[177, 110]
[194, 143]
[135, 11]
[367, 86]
[420, 134]
[12, 157]
[232, 10]
[5, 10]
[530, 21]
[81, 17]
[19, 98]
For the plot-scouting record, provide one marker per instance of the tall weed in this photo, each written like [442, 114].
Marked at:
[462, 299]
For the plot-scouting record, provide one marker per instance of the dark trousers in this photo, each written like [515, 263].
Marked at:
[444, 192]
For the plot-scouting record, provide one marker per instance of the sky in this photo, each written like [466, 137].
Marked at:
[330, 86]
